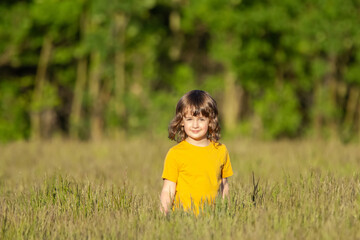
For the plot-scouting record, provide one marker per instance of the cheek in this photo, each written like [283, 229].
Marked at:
[206, 125]
[186, 126]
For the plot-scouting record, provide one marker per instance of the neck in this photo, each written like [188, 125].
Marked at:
[200, 143]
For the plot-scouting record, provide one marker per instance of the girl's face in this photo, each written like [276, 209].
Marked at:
[196, 128]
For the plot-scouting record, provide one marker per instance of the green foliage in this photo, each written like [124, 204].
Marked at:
[56, 12]
[213, 85]
[298, 45]
[162, 111]
[279, 112]
[48, 99]
[352, 71]
[12, 37]
[137, 115]
[183, 79]
[13, 121]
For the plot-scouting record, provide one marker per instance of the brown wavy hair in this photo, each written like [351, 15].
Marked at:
[198, 102]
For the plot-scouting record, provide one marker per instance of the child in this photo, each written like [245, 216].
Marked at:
[197, 168]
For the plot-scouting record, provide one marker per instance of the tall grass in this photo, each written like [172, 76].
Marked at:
[110, 189]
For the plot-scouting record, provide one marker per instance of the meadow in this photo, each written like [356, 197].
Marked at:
[110, 190]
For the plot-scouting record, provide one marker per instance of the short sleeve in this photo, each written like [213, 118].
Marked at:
[171, 171]
[227, 169]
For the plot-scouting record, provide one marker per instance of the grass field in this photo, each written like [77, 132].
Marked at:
[110, 190]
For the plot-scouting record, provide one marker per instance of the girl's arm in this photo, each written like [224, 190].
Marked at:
[224, 188]
[167, 196]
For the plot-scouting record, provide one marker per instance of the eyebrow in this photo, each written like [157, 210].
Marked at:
[199, 116]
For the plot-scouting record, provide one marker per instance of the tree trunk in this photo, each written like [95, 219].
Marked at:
[75, 117]
[47, 122]
[81, 76]
[120, 28]
[332, 86]
[40, 81]
[96, 129]
[138, 85]
[6, 56]
[317, 116]
[178, 38]
[351, 106]
[232, 101]
[325, 96]
[358, 118]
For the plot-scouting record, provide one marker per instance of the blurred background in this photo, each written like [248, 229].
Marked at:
[94, 69]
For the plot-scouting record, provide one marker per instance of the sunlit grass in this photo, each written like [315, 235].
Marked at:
[110, 189]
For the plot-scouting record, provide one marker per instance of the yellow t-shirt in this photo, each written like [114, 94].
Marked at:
[197, 172]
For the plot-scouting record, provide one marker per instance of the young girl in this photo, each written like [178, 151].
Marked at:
[197, 168]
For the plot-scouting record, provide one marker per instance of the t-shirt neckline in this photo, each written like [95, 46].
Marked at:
[192, 145]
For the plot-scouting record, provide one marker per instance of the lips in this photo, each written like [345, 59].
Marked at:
[195, 131]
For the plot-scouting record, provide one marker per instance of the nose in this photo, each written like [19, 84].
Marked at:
[196, 123]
